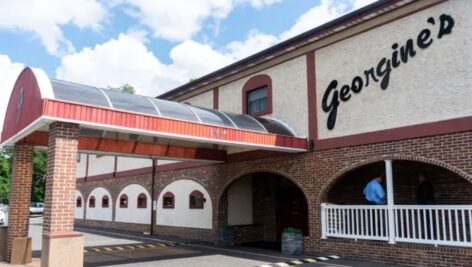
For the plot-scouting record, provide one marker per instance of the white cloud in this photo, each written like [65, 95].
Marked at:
[45, 17]
[326, 11]
[179, 20]
[255, 41]
[261, 3]
[9, 71]
[127, 59]
[361, 3]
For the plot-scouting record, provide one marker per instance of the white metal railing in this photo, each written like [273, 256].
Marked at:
[428, 224]
[355, 221]
[434, 224]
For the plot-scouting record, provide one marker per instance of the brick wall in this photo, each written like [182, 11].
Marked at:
[449, 187]
[60, 183]
[20, 194]
[317, 172]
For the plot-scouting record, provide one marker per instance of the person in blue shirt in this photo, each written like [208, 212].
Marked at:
[374, 192]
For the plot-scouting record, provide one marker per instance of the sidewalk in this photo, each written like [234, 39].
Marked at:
[35, 263]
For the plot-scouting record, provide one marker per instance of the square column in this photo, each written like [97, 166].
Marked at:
[61, 245]
[18, 250]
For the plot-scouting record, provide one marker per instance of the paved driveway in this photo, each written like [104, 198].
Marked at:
[104, 247]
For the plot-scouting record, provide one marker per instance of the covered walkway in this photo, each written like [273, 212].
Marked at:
[67, 118]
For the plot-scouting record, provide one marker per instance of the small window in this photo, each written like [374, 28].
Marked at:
[124, 201]
[105, 202]
[142, 201]
[92, 202]
[168, 201]
[257, 100]
[78, 202]
[196, 200]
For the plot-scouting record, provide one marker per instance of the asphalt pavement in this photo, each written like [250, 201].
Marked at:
[106, 247]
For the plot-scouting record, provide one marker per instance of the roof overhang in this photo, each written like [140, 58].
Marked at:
[30, 113]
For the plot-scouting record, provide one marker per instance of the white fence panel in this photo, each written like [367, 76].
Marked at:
[434, 224]
[427, 224]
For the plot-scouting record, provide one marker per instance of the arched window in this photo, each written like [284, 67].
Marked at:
[142, 201]
[78, 202]
[257, 95]
[124, 201]
[168, 200]
[105, 202]
[92, 202]
[196, 200]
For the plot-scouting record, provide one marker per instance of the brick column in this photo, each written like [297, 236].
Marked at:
[61, 245]
[20, 195]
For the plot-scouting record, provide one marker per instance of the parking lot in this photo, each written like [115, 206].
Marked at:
[104, 247]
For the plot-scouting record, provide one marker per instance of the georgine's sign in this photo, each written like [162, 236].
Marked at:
[381, 72]
[410, 71]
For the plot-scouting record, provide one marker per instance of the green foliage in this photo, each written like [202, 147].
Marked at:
[39, 175]
[292, 230]
[127, 89]
[5, 174]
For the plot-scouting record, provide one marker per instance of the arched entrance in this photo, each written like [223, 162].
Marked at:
[423, 202]
[449, 187]
[260, 205]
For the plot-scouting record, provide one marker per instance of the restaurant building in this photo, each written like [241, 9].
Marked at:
[289, 137]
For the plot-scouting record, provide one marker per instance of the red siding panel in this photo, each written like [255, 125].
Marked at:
[72, 111]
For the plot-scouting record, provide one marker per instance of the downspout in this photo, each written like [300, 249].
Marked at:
[153, 198]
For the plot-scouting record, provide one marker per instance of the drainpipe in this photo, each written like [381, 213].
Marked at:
[153, 183]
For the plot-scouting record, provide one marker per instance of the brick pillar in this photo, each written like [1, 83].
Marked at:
[61, 245]
[20, 195]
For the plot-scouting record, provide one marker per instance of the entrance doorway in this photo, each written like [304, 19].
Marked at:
[259, 206]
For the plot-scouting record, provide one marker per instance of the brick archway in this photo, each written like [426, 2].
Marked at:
[272, 194]
[241, 174]
[341, 173]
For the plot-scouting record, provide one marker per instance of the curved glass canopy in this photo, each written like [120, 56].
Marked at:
[90, 95]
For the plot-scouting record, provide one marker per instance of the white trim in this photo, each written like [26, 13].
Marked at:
[106, 97]
[258, 122]
[152, 103]
[175, 136]
[193, 111]
[35, 125]
[44, 83]
[224, 114]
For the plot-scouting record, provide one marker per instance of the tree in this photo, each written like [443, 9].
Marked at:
[39, 175]
[5, 174]
[127, 89]
[40, 163]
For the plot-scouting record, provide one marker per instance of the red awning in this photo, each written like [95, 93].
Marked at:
[147, 125]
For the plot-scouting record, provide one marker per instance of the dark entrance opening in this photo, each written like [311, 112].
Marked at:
[449, 187]
[259, 206]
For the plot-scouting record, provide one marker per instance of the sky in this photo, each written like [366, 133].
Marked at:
[153, 45]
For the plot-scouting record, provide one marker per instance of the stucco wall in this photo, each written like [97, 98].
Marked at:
[125, 163]
[79, 211]
[82, 166]
[133, 214]
[99, 213]
[101, 165]
[181, 215]
[202, 100]
[433, 85]
[289, 94]
[240, 202]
